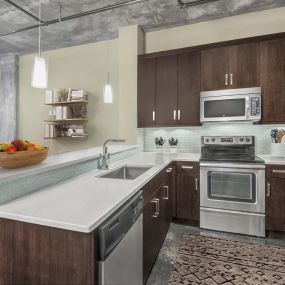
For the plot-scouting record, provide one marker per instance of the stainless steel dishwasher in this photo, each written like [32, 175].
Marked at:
[121, 245]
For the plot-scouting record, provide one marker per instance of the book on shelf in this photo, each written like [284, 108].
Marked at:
[49, 97]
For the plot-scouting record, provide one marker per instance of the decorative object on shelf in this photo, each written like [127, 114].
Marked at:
[63, 95]
[278, 143]
[79, 111]
[173, 142]
[69, 108]
[40, 68]
[21, 153]
[159, 142]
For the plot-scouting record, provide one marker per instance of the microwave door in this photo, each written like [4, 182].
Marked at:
[224, 109]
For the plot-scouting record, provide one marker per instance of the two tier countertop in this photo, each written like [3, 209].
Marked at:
[61, 160]
[84, 202]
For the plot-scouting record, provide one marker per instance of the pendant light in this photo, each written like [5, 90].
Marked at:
[40, 70]
[108, 92]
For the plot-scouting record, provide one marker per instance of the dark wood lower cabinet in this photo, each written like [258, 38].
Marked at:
[36, 255]
[157, 217]
[187, 191]
[275, 198]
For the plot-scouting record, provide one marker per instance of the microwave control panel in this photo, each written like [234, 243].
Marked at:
[255, 106]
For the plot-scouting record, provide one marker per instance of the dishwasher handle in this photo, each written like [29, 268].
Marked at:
[114, 244]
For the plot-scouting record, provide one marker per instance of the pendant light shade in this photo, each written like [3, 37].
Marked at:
[40, 74]
[108, 94]
[40, 69]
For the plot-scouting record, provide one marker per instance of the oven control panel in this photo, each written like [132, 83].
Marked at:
[228, 140]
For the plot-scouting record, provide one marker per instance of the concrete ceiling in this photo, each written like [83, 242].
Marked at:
[150, 15]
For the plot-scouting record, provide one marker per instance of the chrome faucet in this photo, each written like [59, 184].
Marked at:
[105, 157]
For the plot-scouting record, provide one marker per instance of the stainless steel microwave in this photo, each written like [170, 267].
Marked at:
[231, 105]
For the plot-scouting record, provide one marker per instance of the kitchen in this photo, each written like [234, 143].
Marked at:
[191, 174]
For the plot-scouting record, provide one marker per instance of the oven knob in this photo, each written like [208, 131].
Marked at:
[241, 139]
[207, 140]
[213, 139]
[247, 140]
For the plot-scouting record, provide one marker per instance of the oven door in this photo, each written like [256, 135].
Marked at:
[233, 187]
[225, 108]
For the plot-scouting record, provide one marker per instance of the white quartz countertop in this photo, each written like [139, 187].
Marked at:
[84, 202]
[271, 159]
[62, 159]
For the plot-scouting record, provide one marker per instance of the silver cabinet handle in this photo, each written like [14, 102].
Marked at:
[268, 190]
[167, 192]
[174, 115]
[155, 201]
[226, 79]
[280, 171]
[196, 184]
[187, 167]
[153, 115]
[169, 170]
[231, 79]
[178, 115]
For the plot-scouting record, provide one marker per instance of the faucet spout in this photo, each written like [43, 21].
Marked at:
[105, 156]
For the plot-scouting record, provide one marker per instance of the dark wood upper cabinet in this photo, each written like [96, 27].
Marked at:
[244, 65]
[169, 85]
[214, 69]
[189, 74]
[187, 191]
[166, 90]
[275, 198]
[146, 92]
[231, 67]
[272, 78]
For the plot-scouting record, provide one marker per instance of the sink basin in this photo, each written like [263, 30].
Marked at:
[126, 172]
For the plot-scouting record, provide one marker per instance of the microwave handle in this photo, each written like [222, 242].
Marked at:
[247, 107]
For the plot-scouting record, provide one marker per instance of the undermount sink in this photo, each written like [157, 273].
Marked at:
[126, 172]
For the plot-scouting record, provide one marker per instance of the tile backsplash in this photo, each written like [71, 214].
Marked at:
[190, 137]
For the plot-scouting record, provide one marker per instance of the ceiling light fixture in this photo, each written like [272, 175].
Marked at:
[193, 3]
[40, 69]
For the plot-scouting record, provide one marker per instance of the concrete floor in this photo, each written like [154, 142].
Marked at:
[161, 271]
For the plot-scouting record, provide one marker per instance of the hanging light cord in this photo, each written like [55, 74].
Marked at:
[40, 14]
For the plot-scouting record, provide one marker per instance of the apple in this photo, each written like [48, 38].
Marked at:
[19, 144]
[11, 149]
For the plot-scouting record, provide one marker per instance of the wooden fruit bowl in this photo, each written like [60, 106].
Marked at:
[22, 158]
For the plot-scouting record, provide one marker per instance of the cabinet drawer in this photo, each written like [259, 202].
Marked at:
[188, 167]
[277, 171]
[150, 188]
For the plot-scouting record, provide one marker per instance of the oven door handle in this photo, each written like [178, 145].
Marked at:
[232, 166]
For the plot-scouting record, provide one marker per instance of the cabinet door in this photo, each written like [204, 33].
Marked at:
[244, 68]
[146, 92]
[166, 90]
[275, 199]
[187, 192]
[189, 74]
[272, 79]
[215, 69]
[151, 233]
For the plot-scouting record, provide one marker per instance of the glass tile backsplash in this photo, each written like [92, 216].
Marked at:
[190, 138]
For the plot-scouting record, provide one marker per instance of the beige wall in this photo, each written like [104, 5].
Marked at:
[242, 26]
[131, 43]
[76, 67]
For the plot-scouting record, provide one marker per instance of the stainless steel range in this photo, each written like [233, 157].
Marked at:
[232, 197]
